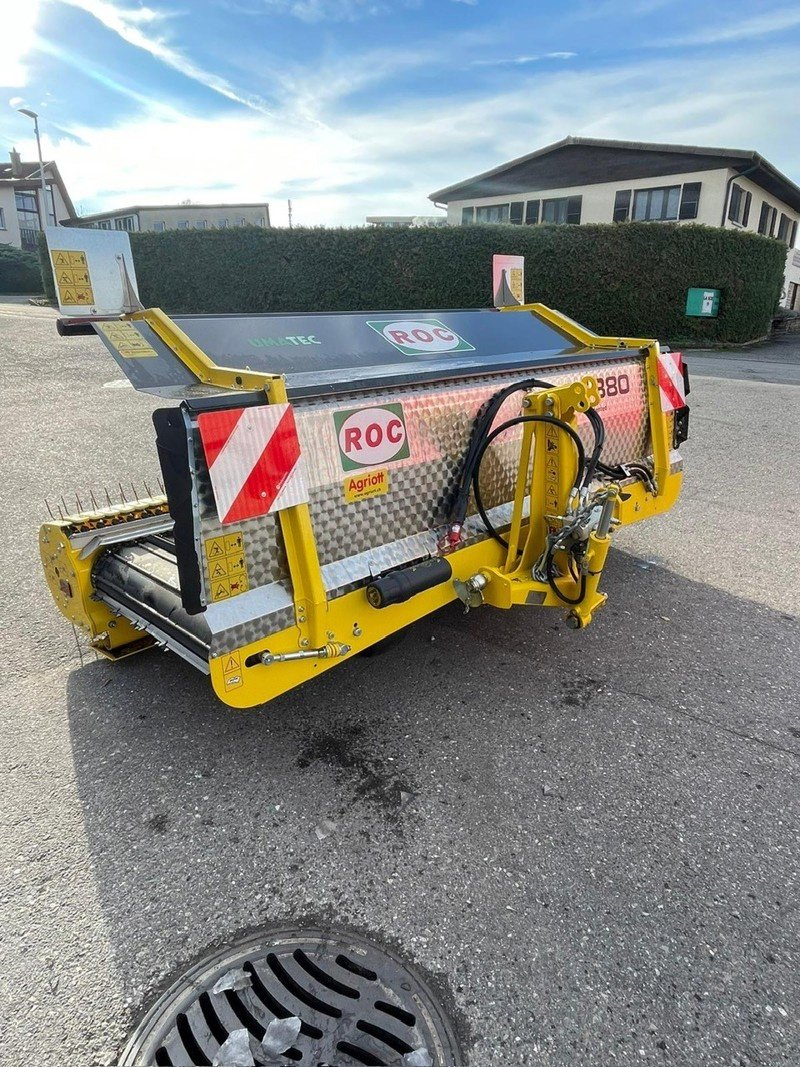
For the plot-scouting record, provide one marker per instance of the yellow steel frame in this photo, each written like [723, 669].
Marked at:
[349, 622]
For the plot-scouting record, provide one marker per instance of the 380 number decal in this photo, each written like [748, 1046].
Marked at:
[613, 385]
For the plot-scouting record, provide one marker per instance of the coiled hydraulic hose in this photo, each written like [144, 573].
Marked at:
[483, 424]
[551, 420]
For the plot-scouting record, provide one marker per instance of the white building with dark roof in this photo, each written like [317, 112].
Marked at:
[583, 180]
[160, 217]
[23, 209]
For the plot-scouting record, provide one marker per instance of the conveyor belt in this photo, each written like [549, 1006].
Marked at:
[140, 581]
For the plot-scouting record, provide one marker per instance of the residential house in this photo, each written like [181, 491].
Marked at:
[23, 209]
[392, 222]
[585, 180]
[160, 217]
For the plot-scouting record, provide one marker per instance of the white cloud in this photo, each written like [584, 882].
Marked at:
[521, 61]
[386, 159]
[19, 34]
[336, 10]
[127, 23]
[762, 25]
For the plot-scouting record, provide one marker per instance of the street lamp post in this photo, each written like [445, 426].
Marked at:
[43, 209]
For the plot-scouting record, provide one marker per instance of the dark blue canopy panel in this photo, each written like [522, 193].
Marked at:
[327, 352]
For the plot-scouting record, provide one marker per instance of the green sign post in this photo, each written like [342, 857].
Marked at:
[702, 303]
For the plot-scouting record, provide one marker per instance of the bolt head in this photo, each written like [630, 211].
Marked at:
[304, 642]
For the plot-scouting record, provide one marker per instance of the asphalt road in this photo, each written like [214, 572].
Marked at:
[598, 862]
[776, 361]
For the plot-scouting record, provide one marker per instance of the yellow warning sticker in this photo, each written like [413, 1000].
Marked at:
[226, 566]
[232, 670]
[233, 542]
[238, 583]
[233, 662]
[235, 563]
[363, 486]
[72, 277]
[126, 339]
[220, 589]
[215, 547]
[67, 278]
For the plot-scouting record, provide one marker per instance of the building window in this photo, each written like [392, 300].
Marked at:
[515, 212]
[103, 224]
[690, 200]
[183, 225]
[2, 219]
[260, 220]
[657, 205]
[767, 219]
[27, 210]
[159, 227]
[564, 209]
[492, 213]
[200, 224]
[622, 205]
[784, 228]
[531, 212]
[28, 217]
[125, 222]
[222, 224]
[467, 216]
[793, 235]
[739, 207]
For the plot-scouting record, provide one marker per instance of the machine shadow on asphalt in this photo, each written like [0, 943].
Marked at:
[563, 752]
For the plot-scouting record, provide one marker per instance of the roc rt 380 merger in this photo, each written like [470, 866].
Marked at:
[331, 478]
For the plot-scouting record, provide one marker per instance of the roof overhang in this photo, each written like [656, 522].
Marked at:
[576, 161]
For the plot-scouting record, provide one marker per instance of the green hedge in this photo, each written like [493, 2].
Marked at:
[629, 279]
[19, 271]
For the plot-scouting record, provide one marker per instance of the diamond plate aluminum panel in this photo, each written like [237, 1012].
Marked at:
[357, 540]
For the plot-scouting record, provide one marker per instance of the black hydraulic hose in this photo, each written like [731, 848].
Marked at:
[599, 428]
[483, 422]
[552, 420]
[551, 581]
[628, 469]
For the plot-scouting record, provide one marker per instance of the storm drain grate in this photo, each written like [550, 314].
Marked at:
[345, 1002]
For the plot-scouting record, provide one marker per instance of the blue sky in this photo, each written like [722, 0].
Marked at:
[356, 107]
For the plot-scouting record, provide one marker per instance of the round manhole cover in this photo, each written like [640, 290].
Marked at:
[312, 997]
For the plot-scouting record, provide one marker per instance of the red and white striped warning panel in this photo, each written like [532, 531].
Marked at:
[253, 456]
[670, 381]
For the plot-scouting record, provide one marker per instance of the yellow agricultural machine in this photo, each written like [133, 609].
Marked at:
[331, 478]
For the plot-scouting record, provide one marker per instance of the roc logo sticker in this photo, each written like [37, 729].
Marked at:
[420, 337]
[363, 486]
[370, 436]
